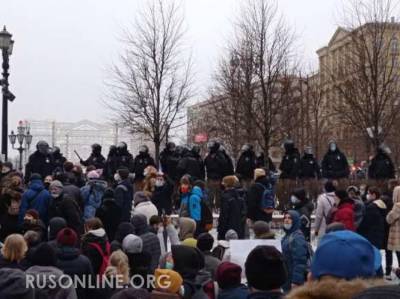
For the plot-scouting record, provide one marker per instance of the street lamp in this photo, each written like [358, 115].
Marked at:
[22, 135]
[6, 46]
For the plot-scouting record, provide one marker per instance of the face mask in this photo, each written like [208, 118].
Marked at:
[184, 189]
[332, 147]
[287, 226]
[169, 265]
[369, 197]
[294, 199]
[159, 183]
[117, 178]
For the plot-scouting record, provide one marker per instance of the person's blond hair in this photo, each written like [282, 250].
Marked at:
[118, 264]
[14, 248]
[230, 181]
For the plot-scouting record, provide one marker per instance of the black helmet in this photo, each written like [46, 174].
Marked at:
[96, 146]
[196, 149]
[56, 150]
[43, 147]
[213, 146]
[143, 149]
[122, 146]
[247, 147]
[170, 146]
[179, 150]
[288, 144]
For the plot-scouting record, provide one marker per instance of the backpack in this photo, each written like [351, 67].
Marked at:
[105, 256]
[268, 196]
[207, 219]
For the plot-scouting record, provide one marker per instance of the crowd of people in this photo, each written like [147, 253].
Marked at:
[116, 222]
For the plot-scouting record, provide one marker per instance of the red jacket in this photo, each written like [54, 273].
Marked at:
[345, 215]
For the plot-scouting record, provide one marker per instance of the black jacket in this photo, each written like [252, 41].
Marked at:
[169, 163]
[140, 163]
[246, 165]
[68, 209]
[95, 236]
[260, 162]
[96, 160]
[72, 263]
[123, 197]
[124, 159]
[381, 167]
[193, 165]
[335, 165]
[110, 214]
[59, 160]
[162, 198]
[39, 163]
[372, 226]
[232, 214]
[254, 198]
[217, 165]
[290, 165]
[309, 167]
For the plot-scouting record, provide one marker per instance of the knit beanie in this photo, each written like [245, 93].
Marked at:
[132, 244]
[265, 268]
[168, 280]
[231, 235]
[44, 255]
[191, 242]
[67, 237]
[205, 242]
[228, 275]
[33, 213]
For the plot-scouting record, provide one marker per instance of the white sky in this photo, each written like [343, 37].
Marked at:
[63, 47]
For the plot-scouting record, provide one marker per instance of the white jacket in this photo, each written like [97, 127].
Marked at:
[146, 208]
[324, 203]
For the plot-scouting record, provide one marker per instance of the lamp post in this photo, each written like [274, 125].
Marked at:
[22, 135]
[6, 46]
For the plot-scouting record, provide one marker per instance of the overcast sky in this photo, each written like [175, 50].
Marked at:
[63, 47]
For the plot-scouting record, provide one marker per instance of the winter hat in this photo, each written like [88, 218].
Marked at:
[259, 172]
[67, 237]
[187, 227]
[56, 184]
[44, 255]
[139, 222]
[228, 275]
[262, 230]
[168, 280]
[387, 292]
[205, 242]
[191, 242]
[140, 197]
[231, 235]
[132, 244]
[353, 189]
[188, 261]
[35, 177]
[55, 225]
[357, 258]
[93, 175]
[124, 229]
[33, 213]
[265, 268]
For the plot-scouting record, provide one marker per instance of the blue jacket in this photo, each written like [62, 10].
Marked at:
[36, 197]
[240, 292]
[92, 194]
[295, 251]
[191, 204]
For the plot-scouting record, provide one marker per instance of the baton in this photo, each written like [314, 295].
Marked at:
[76, 153]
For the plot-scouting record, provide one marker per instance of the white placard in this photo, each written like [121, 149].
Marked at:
[240, 249]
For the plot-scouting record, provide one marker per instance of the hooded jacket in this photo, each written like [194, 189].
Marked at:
[41, 276]
[232, 214]
[192, 204]
[36, 197]
[151, 243]
[305, 208]
[372, 226]
[13, 284]
[143, 205]
[345, 214]
[295, 251]
[110, 214]
[187, 228]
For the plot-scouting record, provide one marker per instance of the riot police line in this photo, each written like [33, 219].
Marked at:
[295, 170]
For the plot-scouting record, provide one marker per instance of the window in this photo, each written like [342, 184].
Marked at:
[394, 45]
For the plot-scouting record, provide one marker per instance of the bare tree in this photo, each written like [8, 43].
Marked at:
[153, 82]
[365, 79]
